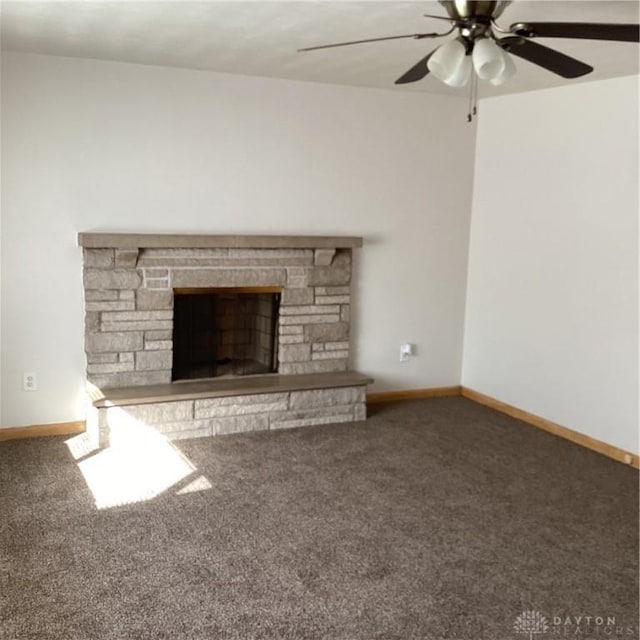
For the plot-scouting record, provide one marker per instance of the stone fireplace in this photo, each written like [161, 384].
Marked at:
[292, 293]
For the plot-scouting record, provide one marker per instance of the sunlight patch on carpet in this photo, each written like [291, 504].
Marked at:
[199, 484]
[139, 465]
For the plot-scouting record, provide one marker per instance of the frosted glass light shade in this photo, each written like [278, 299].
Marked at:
[508, 71]
[488, 59]
[462, 74]
[446, 61]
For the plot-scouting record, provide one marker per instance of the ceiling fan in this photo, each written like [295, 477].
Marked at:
[482, 46]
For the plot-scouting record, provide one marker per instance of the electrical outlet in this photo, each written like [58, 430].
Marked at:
[29, 381]
[628, 459]
[406, 350]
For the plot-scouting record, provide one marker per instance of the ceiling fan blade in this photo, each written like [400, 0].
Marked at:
[447, 18]
[417, 72]
[550, 59]
[583, 30]
[415, 36]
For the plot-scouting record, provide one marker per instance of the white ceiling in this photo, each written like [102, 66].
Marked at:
[261, 38]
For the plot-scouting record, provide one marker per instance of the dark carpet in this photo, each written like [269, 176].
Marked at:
[433, 519]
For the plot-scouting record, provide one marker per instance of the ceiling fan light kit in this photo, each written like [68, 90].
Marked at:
[452, 62]
[479, 47]
[488, 59]
[508, 72]
[462, 73]
[448, 61]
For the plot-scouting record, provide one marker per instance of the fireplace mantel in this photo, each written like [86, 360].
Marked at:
[197, 241]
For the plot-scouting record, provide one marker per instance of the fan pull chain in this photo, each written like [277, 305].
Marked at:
[473, 97]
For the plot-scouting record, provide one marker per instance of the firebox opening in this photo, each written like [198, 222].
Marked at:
[225, 332]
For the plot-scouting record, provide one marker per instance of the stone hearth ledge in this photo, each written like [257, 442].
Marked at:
[227, 387]
[198, 241]
[205, 408]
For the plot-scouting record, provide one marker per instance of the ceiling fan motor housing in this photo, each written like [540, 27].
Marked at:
[474, 18]
[482, 11]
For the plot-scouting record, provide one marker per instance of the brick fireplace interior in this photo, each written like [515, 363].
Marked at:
[227, 331]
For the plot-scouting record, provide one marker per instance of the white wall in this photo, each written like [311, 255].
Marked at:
[552, 308]
[97, 146]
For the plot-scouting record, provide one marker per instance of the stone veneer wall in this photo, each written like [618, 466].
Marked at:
[129, 305]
